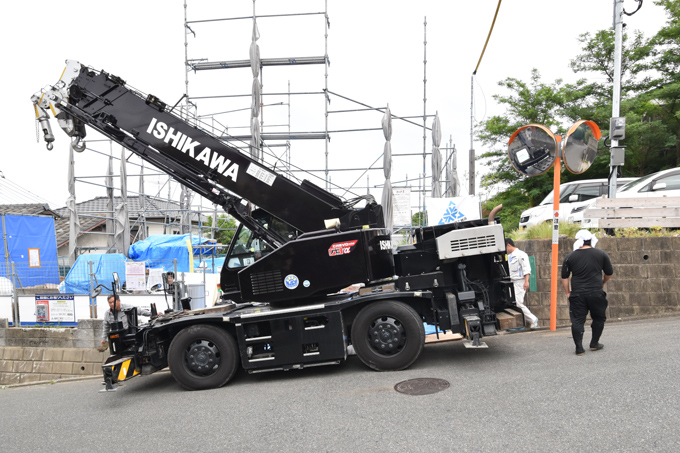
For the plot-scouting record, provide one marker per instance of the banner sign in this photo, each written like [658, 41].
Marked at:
[401, 206]
[55, 308]
[441, 211]
[135, 276]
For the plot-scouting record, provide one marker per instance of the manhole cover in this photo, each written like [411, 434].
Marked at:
[422, 386]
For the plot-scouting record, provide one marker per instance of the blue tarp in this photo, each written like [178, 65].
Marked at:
[32, 246]
[104, 265]
[160, 250]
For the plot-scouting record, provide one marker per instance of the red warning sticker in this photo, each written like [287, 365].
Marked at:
[342, 248]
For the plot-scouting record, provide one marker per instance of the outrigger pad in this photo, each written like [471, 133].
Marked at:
[476, 342]
[109, 386]
[472, 345]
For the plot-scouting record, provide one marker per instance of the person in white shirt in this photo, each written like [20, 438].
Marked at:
[520, 272]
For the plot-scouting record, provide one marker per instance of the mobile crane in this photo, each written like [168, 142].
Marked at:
[291, 256]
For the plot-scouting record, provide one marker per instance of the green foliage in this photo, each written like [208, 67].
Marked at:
[533, 102]
[598, 57]
[656, 231]
[226, 228]
[665, 61]
[513, 201]
[544, 231]
[419, 219]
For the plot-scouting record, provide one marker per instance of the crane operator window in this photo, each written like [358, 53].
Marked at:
[247, 249]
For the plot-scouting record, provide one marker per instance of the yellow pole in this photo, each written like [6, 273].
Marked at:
[555, 237]
[191, 256]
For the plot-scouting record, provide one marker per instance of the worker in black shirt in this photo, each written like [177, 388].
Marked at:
[585, 265]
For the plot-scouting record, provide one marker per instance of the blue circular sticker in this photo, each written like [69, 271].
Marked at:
[291, 281]
[305, 283]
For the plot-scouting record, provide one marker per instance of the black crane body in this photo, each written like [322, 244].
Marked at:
[297, 247]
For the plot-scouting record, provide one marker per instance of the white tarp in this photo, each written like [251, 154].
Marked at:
[387, 169]
[110, 223]
[452, 183]
[436, 157]
[441, 211]
[122, 239]
[141, 220]
[74, 223]
[255, 101]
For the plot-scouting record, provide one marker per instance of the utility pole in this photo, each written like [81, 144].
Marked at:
[471, 176]
[617, 124]
[617, 153]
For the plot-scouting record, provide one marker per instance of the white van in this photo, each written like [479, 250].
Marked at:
[575, 197]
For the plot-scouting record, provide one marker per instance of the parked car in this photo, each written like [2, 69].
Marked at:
[575, 197]
[665, 183]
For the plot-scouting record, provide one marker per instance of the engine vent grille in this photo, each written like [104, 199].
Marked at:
[266, 282]
[459, 245]
[471, 241]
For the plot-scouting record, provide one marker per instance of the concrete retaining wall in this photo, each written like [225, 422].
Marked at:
[646, 277]
[45, 354]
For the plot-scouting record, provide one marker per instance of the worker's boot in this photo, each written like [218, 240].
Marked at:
[578, 341]
[594, 342]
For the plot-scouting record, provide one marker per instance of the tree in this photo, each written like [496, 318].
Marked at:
[598, 56]
[226, 228]
[666, 62]
[535, 102]
[419, 219]
[514, 201]
[648, 125]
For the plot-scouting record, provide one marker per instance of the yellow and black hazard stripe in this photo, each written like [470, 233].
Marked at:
[121, 369]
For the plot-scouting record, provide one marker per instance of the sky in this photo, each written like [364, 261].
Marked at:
[376, 51]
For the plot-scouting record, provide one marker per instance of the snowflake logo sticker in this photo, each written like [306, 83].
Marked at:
[291, 281]
[451, 215]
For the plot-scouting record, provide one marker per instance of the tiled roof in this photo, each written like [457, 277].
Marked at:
[153, 208]
[28, 209]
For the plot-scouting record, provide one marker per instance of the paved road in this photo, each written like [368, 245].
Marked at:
[528, 391]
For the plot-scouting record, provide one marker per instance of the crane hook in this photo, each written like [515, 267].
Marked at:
[77, 145]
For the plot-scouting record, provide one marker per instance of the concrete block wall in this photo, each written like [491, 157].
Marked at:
[86, 335]
[43, 354]
[19, 365]
[646, 279]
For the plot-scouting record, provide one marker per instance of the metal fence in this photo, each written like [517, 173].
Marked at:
[21, 280]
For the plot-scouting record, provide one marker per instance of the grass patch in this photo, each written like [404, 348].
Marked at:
[544, 231]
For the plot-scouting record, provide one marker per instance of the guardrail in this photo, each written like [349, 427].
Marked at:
[635, 212]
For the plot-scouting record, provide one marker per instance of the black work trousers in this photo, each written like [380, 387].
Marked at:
[579, 306]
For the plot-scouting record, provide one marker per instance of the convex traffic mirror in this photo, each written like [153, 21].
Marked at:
[580, 146]
[532, 149]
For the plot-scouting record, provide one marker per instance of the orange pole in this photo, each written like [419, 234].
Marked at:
[555, 237]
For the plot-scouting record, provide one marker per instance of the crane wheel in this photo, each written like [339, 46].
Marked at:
[203, 357]
[388, 335]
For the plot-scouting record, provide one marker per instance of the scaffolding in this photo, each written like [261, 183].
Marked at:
[274, 139]
[270, 139]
